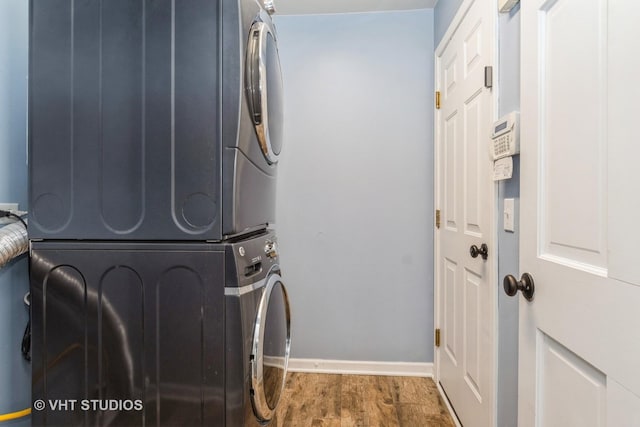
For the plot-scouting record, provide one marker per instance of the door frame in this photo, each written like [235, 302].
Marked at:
[493, 233]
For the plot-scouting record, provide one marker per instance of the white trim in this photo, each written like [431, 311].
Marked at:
[357, 367]
[448, 405]
[576, 265]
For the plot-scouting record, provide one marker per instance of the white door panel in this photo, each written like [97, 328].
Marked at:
[473, 319]
[564, 373]
[451, 173]
[474, 166]
[573, 73]
[580, 194]
[450, 312]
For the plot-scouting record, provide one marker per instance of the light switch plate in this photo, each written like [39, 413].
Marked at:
[509, 214]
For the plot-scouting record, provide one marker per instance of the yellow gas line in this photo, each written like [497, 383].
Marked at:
[14, 415]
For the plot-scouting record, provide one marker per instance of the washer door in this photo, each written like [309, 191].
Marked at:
[263, 83]
[270, 349]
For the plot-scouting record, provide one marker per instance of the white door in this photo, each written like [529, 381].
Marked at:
[466, 290]
[579, 358]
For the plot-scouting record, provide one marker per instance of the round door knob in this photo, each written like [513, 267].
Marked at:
[525, 285]
[482, 251]
[270, 249]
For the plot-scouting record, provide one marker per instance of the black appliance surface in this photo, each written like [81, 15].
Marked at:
[169, 325]
[128, 322]
[139, 124]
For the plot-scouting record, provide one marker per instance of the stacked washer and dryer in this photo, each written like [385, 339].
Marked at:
[154, 133]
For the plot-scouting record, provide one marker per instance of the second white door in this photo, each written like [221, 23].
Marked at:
[466, 291]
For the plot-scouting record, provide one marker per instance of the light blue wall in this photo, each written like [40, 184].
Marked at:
[15, 373]
[444, 12]
[509, 100]
[355, 195]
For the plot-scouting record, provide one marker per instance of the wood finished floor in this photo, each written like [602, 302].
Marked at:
[319, 400]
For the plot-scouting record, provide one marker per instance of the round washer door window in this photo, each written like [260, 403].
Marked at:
[263, 82]
[270, 350]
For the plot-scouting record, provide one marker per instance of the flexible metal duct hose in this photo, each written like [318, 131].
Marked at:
[13, 242]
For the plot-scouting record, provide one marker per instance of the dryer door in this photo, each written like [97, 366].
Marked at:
[270, 349]
[263, 83]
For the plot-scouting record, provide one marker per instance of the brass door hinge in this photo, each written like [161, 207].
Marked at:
[437, 100]
[437, 218]
[488, 77]
[437, 336]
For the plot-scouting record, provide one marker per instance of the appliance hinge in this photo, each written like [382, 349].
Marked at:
[437, 337]
[437, 218]
[437, 100]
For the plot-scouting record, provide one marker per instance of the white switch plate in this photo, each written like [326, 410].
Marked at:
[8, 206]
[509, 213]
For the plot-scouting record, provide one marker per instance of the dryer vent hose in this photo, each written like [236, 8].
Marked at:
[13, 242]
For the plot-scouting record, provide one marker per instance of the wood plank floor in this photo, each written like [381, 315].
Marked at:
[319, 400]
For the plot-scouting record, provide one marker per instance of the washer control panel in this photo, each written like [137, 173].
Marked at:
[253, 257]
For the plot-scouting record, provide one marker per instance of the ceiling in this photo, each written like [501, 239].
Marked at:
[304, 7]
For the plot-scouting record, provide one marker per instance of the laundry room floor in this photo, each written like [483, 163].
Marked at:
[319, 400]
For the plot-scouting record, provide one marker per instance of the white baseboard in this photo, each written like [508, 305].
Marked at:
[351, 367]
